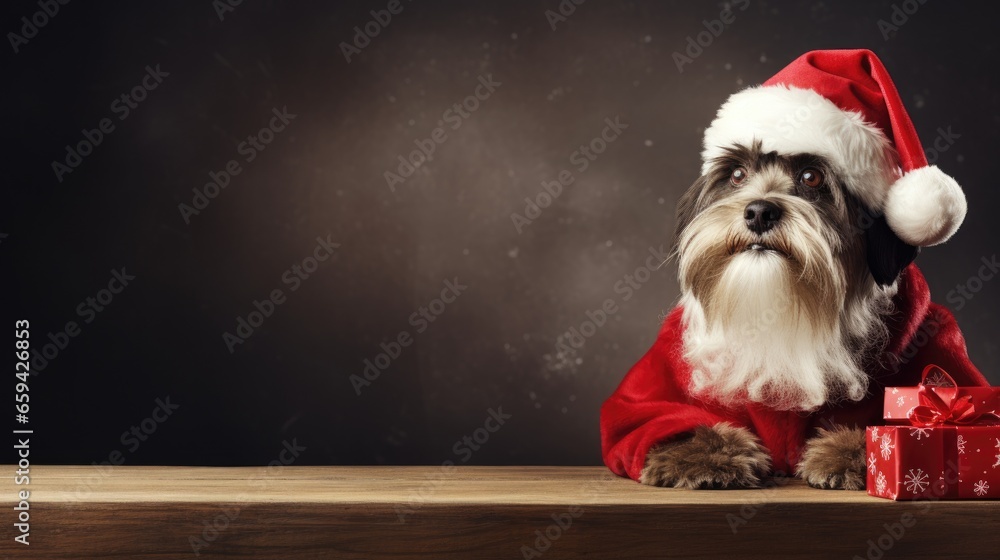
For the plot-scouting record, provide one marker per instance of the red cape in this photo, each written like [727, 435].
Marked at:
[652, 404]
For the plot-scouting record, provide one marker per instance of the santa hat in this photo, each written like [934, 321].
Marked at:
[842, 105]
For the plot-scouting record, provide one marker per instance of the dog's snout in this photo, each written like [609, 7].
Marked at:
[762, 215]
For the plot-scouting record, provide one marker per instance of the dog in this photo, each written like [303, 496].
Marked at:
[799, 299]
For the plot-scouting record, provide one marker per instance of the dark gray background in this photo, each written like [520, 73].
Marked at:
[494, 346]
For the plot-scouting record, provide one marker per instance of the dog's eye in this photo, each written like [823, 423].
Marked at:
[738, 176]
[811, 178]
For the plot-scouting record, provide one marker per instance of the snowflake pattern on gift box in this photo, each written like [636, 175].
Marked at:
[920, 432]
[981, 488]
[997, 464]
[886, 446]
[871, 462]
[916, 482]
[961, 445]
[875, 435]
[880, 483]
[900, 401]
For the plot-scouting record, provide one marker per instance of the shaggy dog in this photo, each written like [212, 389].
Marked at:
[798, 297]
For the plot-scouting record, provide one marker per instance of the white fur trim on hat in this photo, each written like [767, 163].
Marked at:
[925, 207]
[792, 120]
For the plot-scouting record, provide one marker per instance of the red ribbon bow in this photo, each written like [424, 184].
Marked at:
[943, 402]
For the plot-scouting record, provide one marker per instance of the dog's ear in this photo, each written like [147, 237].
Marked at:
[688, 207]
[888, 255]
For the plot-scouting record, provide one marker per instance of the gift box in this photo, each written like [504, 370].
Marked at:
[900, 401]
[949, 447]
[944, 462]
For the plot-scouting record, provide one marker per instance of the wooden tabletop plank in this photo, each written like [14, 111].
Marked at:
[469, 512]
[506, 485]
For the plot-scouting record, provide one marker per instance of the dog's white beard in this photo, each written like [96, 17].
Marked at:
[761, 343]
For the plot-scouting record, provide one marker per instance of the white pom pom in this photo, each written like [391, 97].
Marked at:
[925, 207]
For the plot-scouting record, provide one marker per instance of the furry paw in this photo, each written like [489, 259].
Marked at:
[720, 456]
[834, 460]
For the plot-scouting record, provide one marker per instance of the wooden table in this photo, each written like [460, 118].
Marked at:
[469, 513]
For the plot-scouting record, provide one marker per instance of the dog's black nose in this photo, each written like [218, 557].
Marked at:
[761, 215]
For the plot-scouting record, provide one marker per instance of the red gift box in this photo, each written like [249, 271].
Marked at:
[900, 401]
[945, 463]
[950, 448]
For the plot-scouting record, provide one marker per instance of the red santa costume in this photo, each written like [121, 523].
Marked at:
[841, 105]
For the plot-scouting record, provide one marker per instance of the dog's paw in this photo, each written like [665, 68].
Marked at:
[834, 460]
[720, 456]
